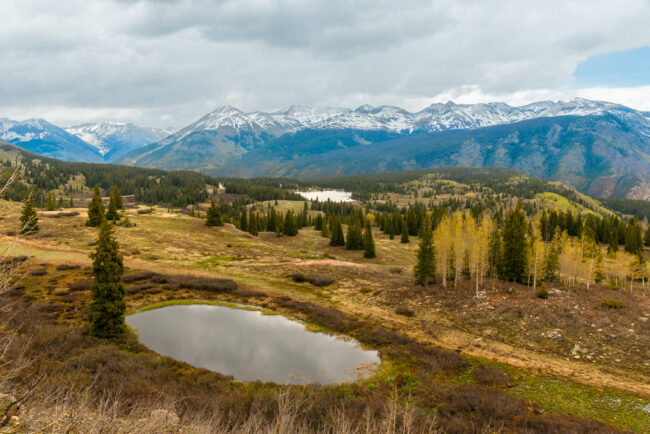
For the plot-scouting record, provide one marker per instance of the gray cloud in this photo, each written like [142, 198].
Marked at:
[167, 62]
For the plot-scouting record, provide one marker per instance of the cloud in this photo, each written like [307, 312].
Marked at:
[167, 62]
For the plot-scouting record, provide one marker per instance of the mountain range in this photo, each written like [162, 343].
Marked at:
[597, 147]
[90, 142]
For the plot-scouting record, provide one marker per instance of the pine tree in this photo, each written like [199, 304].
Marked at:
[325, 230]
[106, 312]
[495, 252]
[253, 224]
[515, 245]
[424, 272]
[354, 239]
[243, 221]
[368, 242]
[213, 215]
[49, 204]
[552, 259]
[95, 209]
[117, 197]
[290, 225]
[405, 232]
[337, 239]
[646, 237]
[112, 213]
[318, 225]
[28, 218]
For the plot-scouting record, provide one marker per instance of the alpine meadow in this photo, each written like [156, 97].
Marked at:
[417, 217]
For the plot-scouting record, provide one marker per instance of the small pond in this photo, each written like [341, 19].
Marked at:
[251, 346]
[323, 196]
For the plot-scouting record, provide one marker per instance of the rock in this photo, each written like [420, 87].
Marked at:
[554, 335]
[159, 418]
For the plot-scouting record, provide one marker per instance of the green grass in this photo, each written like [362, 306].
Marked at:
[556, 395]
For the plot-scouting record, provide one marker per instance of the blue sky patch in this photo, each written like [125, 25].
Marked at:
[616, 69]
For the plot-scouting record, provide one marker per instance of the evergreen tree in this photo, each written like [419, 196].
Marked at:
[290, 225]
[28, 218]
[633, 238]
[112, 213]
[117, 197]
[368, 242]
[325, 230]
[552, 258]
[106, 312]
[50, 205]
[495, 252]
[405, 232]
[253, 224]
[514, 244]
[213, 215]
[646, 238]
[391, 230]
[338, 239]
[612, 249]
[424, 271]
[318, 225]
[243, 221]
[354, 239]
[95, 209]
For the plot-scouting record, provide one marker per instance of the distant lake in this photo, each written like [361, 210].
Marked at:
[251, 346]
[323, 196]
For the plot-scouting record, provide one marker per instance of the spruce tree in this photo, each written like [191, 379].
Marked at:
[28, 218]
[318, 225]
[112, 214]
[213, 215]
[354, 239]
[253, 227]
[646, 237]
[515, 245]
[49, 204]
[117, 197]
[106, 312]
[368, 242]
[405, 233]
[337, 239]
[95, 209]
[424, 272]
[552, 258]
[243, 221]
[495, 252]
[325, 229]
[290, 225]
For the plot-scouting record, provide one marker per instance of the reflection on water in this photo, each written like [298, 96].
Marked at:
[251, 346]
[323, 196]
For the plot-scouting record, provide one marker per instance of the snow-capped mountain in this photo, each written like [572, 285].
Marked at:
[114, 139]
[44, 138]
[436, 117]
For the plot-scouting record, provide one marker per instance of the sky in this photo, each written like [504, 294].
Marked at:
[165, 63]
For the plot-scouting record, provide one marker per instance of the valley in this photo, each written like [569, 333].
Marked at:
[450, 360]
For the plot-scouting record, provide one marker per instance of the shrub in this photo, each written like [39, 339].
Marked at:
[314, 278]
[613, 303]
[242, 292]
[138, 275]
[542, 292]
[211, 284]
[491, 376]
[145, 211]
[63, 267]
[81, 285]
[41, 272]
[402, 310]
[137, 288]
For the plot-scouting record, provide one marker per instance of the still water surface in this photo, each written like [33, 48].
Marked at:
[251, 346]
[323, 196]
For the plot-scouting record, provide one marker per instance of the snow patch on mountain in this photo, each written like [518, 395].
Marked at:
[436, 117]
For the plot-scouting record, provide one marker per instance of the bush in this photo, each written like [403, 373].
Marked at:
[138, 275]
[314, 278]
[63, 267]
[145, 211]
[491, 376]
[542, 292]
[81, 285]
[211, 284]
[402, 310]
[613, 303]
[41, 272]
[242, 292]
[137, 288]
